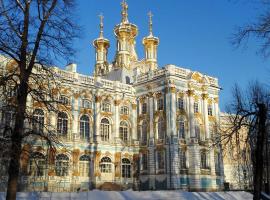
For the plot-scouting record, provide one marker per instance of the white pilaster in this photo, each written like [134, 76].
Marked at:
[191, 113]
[134, 122]
[116, 118]
[205, 114]
[75, 134]
[97, 116]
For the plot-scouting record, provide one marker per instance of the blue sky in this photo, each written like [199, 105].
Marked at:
[193, 34]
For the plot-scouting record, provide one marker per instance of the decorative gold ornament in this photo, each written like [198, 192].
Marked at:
[190, 93]
[117, 102]
[205, 96]
[98, 99]
[134, 106]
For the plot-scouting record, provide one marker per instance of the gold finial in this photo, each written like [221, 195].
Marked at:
[101, 25]
[124, 11]
[150, 23]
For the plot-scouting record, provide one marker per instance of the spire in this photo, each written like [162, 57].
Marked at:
[124, 11]
[150, 23]
[101, 45]
[101, 25]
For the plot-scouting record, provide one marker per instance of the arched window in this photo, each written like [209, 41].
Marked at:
[161, 128]
[197, 129]
[144, 132]
[61, 165]
[62, 123]
[126, 168]
[37, 164]
[181, 128]
[38, 120]
[84, 166]
[84, 127]
[106, 165]
[123, 129]
[204, 160]
[105, 129]
[183, 159]
[106, 106]
[86, 103]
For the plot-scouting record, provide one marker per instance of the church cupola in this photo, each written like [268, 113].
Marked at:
[101, 45]
[125, 33]
[150, 46]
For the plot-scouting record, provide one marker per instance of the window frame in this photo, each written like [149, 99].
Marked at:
[180, 103]
[196, 107]
[124, 110]
[85, 127]
[87, 104]
[62, 165]
[84, 165]
[126, 168]
[124, 131]
[105, 130]
[62, 123]
[105, 165]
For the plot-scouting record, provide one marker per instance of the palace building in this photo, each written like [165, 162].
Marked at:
[133, 124]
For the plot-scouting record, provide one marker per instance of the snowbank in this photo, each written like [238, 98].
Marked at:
[133, 195]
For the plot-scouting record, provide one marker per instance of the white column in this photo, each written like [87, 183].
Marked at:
[116, 118]
[212, 167]
[151, 113]
[187, 108]
[216, 107]
[173, 112]
[134, 122]
[75, 134]
[205, 113]
[191, 113]
[97, 116]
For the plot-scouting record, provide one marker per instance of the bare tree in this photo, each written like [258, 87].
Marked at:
[33, 34]
[259, 30]
[250, 110]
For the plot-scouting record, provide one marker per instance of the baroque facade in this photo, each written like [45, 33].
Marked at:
[132, 125]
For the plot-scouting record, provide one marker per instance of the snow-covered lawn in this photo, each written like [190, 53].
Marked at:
[133, 195]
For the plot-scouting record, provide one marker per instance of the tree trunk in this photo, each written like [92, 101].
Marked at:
[258, 165]
[16, 146]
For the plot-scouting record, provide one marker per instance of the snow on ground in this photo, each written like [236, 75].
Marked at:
[133, 195]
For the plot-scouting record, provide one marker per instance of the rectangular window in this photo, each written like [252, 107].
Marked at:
[183, 159]
[210, 110]
[160, 160]
[106, 107]
[124, 110]
[64, 100]
[144, 164]
[160, 104]
[144, 108]
[180, 103]
[196, 107]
